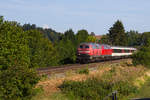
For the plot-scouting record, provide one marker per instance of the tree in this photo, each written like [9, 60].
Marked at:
[52, 35]
[13, 43]
[17, 80]
[92, 34]
[42, 52]
[133, 38]
[82, 36]
[144, 38]
[66, 51]
[91, 39]
[117, 34]
[18, 83]
[142, 56]
[27, 27]
[104, 40]
[69, 35]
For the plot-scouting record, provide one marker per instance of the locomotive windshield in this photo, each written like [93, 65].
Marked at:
[81, 46]
[86, 46]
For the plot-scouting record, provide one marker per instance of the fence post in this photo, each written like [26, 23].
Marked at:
[114, 95]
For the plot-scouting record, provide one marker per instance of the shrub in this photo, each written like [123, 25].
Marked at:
[142, 57]
[41, 50]
[94, 89]
[17, 83]
[83, 71]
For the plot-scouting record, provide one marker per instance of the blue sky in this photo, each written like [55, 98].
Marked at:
[93, 15]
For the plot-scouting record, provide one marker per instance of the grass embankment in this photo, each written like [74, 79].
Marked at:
[123, 77]
[144, 91]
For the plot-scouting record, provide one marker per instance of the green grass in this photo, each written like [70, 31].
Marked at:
[94, 89]
[144, 91]
[55, 96]
[83, 71]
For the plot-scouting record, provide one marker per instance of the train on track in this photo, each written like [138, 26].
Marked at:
[89, 52]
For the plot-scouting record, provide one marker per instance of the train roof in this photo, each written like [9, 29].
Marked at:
[120, 47]
[109, 46]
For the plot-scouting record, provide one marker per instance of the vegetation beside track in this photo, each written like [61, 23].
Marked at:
[123, 77]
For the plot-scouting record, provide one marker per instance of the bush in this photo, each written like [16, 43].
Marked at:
[83, 71]
[94, 89]
[17, 83]
[142, 57]
[41, 51]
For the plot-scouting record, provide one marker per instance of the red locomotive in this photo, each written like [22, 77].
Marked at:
[88, 52]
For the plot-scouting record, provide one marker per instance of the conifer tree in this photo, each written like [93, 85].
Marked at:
[117, 34]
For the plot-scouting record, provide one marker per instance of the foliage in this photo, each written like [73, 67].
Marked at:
[117, 34]
[91, 39]
[52, 35]
[69, 35]
[82, 36]
[142, 56]
[42, 52]
[134, 38]
[92, 34]
[13, 43]
[94, 89]
[17, 83]
[144, 90]
[104, 40]
[145, 38]
[66, 51]
[16, 79]
[83, 71]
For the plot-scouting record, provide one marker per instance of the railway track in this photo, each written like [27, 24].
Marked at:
[64, 68]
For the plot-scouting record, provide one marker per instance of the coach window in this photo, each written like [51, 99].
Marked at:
[117, 50]
[132, 50]
[127, 51]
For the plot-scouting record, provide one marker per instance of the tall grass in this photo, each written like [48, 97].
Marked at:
[95, 89]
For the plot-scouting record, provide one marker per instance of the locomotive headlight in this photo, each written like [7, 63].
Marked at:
[91, 57]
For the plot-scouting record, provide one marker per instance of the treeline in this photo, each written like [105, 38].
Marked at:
[65, 44]
[46, 47]
[119, 37]
[62, 46]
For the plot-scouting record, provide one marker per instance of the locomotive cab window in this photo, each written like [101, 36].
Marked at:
[81, 46]
[86, 46]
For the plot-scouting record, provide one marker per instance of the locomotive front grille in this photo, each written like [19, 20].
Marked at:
[83, 56]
